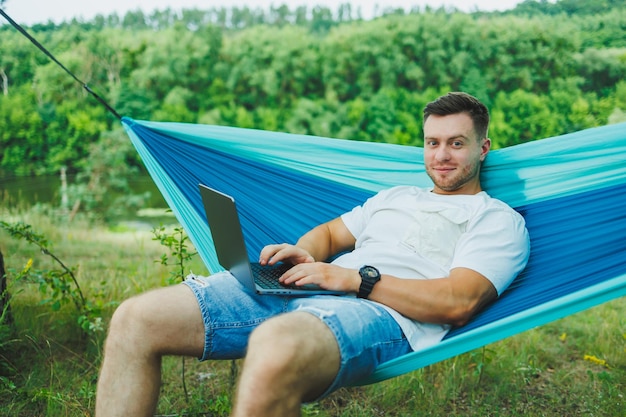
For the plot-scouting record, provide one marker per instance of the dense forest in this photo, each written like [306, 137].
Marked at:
[543, 68]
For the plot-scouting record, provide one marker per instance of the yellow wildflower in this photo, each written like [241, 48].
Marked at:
[596, 360]
[27, 267]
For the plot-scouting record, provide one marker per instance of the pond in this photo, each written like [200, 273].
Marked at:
[25, 192]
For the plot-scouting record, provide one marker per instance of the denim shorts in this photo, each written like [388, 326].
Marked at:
[366, 333]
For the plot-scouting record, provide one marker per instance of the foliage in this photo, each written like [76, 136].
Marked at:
[570, 7]
[307, 71]
[101, 188]
[177, 242]
[60, 286]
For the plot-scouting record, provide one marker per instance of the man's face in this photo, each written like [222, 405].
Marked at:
[453, 154]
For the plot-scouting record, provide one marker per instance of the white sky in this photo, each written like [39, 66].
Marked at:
[28, 12]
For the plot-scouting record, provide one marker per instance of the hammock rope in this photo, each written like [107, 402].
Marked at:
[43, 49]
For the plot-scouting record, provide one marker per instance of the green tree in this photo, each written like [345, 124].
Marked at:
[18, 61]
[618, 114]
[22, 133]
[135, 20]
[519, 117]
[318, 73]
[321, 19]
[601, 69]
[80, 127]
[310, 118]
[176, 58]
[174, 107]
[273, 67]
[101, 188]
[359, 59]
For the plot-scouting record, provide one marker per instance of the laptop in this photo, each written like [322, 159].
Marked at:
[223, 220]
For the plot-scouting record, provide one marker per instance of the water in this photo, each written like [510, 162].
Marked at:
[25, 192]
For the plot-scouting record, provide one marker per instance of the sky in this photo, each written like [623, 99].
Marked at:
[28, 12]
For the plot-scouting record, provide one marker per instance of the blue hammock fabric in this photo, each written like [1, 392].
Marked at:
[571, 190]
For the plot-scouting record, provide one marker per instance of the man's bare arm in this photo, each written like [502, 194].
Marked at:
[327, 239]
[451, 300]
[318, 244]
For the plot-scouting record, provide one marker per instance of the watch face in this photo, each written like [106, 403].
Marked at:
[370, 271]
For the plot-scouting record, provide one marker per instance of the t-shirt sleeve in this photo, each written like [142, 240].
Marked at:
[496, 245]
[357, 219]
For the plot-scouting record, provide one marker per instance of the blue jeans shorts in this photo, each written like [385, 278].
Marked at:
[366, 333]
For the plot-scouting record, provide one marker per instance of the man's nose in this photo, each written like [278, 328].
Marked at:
[443, 153]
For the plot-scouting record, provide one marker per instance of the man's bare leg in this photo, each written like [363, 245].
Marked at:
[165, 321]
[291, 358]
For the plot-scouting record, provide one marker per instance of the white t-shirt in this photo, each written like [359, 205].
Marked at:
[413, 233]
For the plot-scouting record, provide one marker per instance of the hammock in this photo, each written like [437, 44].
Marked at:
[571, 190]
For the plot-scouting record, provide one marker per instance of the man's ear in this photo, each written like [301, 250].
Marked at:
[484, 148]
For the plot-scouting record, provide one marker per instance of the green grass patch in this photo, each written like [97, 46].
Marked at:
[572, 367]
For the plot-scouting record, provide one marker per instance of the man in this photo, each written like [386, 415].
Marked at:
[418, 261]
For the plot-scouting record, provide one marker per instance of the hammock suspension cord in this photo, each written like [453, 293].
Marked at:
[56, 61]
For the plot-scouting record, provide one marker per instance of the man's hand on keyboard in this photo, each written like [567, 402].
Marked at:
[272, 254]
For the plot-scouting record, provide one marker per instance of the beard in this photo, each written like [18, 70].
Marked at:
[456, 179]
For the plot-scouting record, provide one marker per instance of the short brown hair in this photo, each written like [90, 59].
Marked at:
[458, 102]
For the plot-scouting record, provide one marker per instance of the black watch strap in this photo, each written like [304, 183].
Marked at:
[369, 277]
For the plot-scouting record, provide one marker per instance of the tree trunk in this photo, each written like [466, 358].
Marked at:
[5, 310]
[5, 82]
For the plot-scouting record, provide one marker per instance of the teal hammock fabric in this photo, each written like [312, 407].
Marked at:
[571, 189]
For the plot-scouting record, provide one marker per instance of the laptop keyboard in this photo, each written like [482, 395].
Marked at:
[267, 276]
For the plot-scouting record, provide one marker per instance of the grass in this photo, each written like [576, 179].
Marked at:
[572, 367]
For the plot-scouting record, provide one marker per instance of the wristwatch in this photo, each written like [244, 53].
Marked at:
[369, 277]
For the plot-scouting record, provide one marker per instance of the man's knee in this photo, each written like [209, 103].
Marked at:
[127, 322]
[290, 329]
[165, 321]
[296, 352]
[293, 338]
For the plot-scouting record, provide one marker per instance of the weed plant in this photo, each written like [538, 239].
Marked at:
[49, 366]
